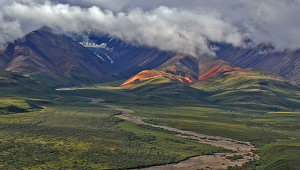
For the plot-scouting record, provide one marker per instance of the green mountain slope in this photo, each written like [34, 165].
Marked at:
[19, 94]
[14, 84]
[163, 90]
[252, 88]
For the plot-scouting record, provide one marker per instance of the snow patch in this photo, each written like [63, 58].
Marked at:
[214, 48]
[92, 44]
[99, 56]
[111, 61]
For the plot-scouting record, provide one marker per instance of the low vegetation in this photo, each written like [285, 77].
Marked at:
[235, 157]
[61, 130]
[73, 134]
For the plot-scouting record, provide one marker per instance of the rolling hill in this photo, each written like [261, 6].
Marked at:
[252, 88]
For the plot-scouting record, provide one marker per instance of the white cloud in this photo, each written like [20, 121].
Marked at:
[165, 28]
[176, 25]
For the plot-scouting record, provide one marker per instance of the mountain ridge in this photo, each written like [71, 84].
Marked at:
[52, 58]
[45, 54]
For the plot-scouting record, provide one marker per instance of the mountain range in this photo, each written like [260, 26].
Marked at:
[54, 59]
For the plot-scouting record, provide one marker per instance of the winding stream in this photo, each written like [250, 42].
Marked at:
[216, 161]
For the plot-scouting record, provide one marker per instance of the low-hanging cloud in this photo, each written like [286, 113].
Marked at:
[172, 25]
[263, 21]
[164, 28]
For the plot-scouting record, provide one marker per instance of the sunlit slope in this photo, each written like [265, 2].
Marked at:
[145, 75]
[183, 69]
[19, 94]
[9, 105]
[252, 88]
[164, 90]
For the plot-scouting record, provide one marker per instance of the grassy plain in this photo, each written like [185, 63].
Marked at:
[70, 133]
[63, 131]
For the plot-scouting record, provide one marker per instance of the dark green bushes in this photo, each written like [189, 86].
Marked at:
[234, 157]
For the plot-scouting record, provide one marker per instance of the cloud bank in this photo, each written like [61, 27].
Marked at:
[169, 25]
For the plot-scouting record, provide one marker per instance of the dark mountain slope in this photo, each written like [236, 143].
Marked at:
[262, 56]
[182, 65]
[127, 58]
[55, 60]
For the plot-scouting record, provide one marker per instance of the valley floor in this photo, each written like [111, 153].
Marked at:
[134, 130]
[216, 161]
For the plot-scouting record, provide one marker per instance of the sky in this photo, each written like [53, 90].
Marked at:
[184, 26]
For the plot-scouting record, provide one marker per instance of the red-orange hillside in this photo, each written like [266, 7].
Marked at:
[223, 66]
[149, 74]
